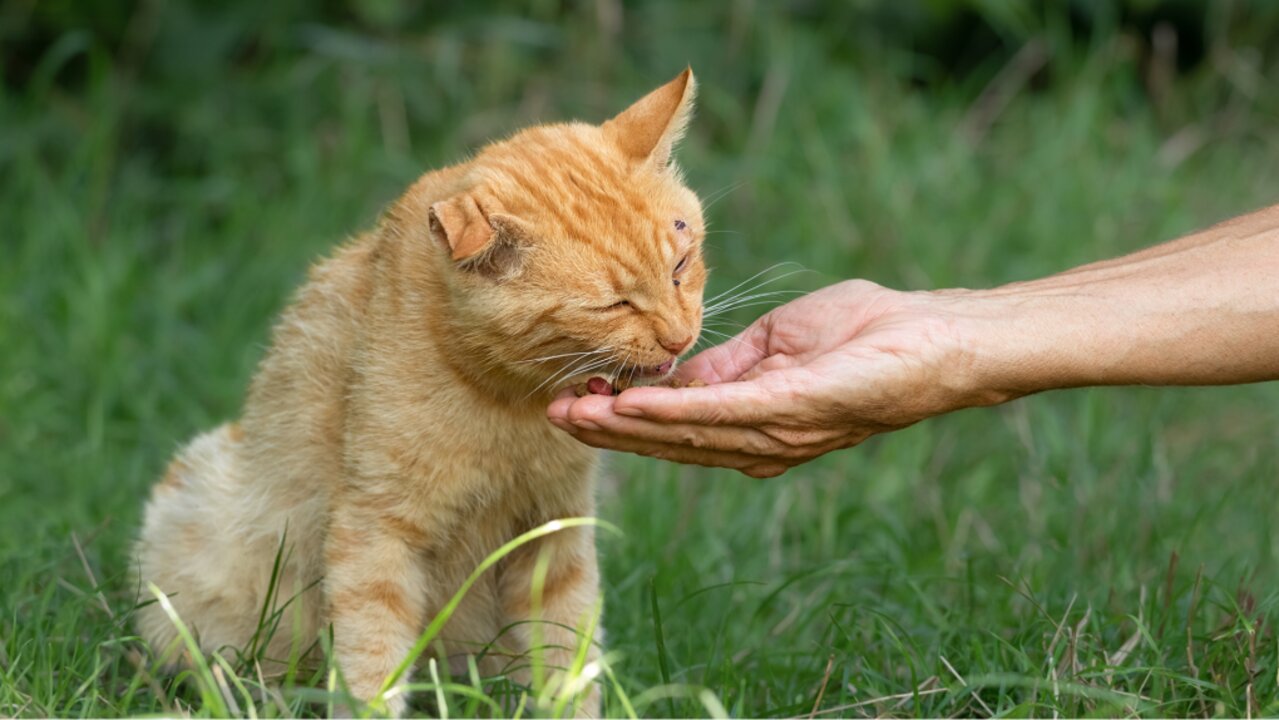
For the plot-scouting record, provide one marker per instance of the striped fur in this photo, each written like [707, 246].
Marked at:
[395, 432]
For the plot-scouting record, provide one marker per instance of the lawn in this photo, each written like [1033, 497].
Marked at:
[1103, 551]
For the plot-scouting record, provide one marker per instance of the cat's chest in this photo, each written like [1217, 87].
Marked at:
[449, 448]
[493, 450]
[527, 452]
[505, 480]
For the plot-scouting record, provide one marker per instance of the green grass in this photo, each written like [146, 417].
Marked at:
[1087, 552]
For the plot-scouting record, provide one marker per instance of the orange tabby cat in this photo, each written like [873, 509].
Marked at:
[395, 433]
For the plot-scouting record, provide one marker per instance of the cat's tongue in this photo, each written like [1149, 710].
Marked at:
[599, 386]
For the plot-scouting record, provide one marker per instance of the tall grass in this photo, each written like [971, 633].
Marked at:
[168, 170]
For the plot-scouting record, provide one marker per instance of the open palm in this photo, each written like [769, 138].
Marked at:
[822, 372]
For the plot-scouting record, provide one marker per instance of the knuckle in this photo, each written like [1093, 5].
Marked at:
[762, 444]
[694, 440]
[799, 454]
[761, 472]
[791, 441]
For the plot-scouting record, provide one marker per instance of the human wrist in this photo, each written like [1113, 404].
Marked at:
[1200, 310]
[1081, 329]
[1017, 340]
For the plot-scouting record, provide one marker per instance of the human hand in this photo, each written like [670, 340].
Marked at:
[823, 372]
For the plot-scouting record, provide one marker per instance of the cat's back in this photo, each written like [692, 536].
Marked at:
[294, 415]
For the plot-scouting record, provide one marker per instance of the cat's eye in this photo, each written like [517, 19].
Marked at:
[619, 304]
[679, 268]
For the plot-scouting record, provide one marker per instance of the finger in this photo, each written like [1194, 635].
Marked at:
[593, 410]
[753, 466]
[736, 440]
[727, 361]
[557, 412]
[730, 403]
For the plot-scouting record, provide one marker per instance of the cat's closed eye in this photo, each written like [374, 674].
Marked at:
[679, 267]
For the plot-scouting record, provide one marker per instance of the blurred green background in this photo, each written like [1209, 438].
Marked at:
[169, 169]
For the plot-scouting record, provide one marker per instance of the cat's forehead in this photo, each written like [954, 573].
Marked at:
[572, 175]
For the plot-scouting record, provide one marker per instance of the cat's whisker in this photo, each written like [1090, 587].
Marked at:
[736, 293]
[564, 375]
[733, 338]
[621, 367]
[774, 298]
[708, 326]
[564, 355]
[749, 294]
[770, 304]
[727, 305]
[721, 194]
[576, 366]
[765, 271]
[724, 322]
[634, 368]
[748, 297]
[571, 366]
[586, 367]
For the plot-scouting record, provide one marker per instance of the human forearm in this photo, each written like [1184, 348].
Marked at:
[1200, 310]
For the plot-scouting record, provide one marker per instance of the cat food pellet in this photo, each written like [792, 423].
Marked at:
[601, 386]
[694, 383]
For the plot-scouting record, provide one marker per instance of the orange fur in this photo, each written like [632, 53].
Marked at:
[394, 434]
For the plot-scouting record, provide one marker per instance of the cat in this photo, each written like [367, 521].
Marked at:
[395, 434]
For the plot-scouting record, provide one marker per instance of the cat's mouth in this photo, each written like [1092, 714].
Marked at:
[659, 371]
[624, 375]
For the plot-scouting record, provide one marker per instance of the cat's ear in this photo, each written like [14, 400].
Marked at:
[489, 243]
[648, 130]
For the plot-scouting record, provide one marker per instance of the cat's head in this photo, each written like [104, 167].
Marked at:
[575, 250]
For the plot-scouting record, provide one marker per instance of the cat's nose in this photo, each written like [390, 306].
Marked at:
[675, 347]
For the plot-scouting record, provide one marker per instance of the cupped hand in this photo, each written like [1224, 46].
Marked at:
[823, 372]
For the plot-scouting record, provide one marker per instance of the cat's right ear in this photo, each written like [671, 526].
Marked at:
[489, 243]
[648, 130]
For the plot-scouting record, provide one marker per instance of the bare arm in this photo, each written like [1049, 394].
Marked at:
[832, 368]
[1201, 310]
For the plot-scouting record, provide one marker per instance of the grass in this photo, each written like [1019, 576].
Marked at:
[1088, 552]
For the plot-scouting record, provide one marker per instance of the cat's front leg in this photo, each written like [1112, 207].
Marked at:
[375, 584]
[552, 625]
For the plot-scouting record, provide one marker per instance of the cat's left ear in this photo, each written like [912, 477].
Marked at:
[648, 130]
[488, 243]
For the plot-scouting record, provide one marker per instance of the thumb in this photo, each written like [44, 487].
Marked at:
[727, 361]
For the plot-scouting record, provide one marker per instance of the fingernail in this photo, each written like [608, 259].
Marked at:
[587, 425]
[627, 411]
